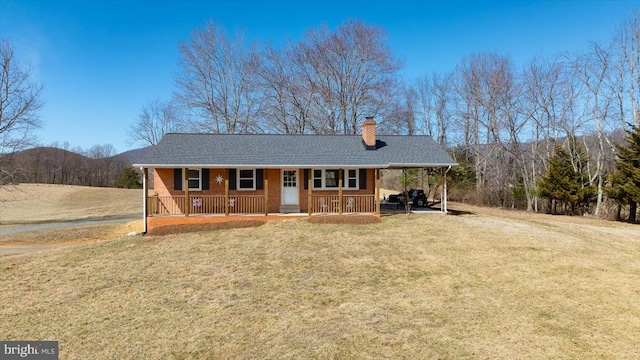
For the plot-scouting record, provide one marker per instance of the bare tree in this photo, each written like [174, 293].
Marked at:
[217, 81]
[156, 119]
[443, 106]
[626, 45]
[595, 72]
[469, 108]
[351, 72]
[401, 114]
[288, 96]
[20, 102]
[435, 105]
[482, 86]
[548, 105]
[507, 122]
[425, 99]
[103, 167]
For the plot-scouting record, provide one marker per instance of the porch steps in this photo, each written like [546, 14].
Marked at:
[287, 209]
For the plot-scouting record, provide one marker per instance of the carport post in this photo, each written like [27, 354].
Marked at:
[444, 195]
[145, 197]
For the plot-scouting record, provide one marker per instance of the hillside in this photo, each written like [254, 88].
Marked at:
[135, 156]
[32, 203]
[50, 165]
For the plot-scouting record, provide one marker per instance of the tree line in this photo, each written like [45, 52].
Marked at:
[503, 122]
[61, 164]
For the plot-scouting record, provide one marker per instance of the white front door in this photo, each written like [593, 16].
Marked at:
[290, 187]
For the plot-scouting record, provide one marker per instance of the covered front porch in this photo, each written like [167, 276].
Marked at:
[187, 193]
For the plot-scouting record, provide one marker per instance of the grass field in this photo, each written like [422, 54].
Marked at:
[489, 284]
[33, 203]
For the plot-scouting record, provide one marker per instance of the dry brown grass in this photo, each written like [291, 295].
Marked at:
[35, 241]
[70, 235]
[490, 285]
[345, 219]
[32, 203]
[191, 228]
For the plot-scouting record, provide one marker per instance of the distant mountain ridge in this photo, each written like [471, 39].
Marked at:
[135, 156]
[51, 165]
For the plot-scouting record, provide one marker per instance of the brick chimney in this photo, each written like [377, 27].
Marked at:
[369, 133]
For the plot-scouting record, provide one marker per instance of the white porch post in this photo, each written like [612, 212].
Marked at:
[145, 196]
[444, 197]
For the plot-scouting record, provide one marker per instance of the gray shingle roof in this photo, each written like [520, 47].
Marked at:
[301, 151]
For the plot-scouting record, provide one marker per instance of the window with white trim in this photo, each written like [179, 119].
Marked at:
[331, 178]
[328, 179]
[317, 179]
[351, 179]
[246, 179]
[194, 179]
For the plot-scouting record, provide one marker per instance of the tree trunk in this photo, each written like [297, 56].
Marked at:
[633, 208]
[599, 199]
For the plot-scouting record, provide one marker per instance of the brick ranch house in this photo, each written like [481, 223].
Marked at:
[228, 174]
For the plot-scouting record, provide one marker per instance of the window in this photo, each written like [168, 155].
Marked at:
[331, 178]
[246, 179]
[194, 179]
[328, 179]
[352, 179]
[317, 179]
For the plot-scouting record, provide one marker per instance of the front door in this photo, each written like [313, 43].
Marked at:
[290, 192]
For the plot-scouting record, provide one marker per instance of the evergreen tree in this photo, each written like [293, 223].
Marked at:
[624, 182]
[566, 182]
[129, 179]
[410, 178]
[463, 176]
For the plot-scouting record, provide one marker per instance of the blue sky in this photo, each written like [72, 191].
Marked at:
[101, 61]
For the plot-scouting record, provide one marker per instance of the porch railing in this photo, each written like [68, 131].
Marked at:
[165, 205]
[246, 204]
[350, 204]
[206, 204]
[254, 204]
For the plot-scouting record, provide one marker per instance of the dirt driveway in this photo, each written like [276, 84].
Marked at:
[21, 239]
[15, 229]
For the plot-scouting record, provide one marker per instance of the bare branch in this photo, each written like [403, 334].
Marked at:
[20, 102]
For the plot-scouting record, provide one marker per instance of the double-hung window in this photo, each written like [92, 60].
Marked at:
[246, 179]
[351, 179]
[328, 178]
[194, 179]
[317, 179]
[331, 178]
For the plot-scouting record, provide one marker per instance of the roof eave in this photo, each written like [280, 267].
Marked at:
[419, 165]
[261, 166]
